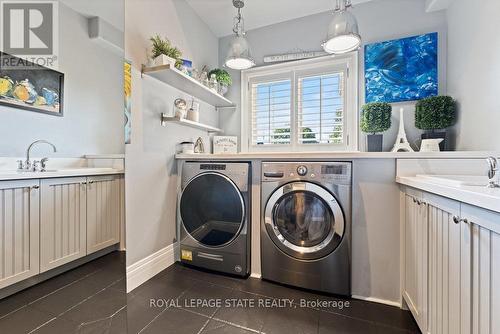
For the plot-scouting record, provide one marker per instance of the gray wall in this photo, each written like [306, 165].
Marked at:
[151, 176]
[474, 72]
[378, 21]
[93, 99]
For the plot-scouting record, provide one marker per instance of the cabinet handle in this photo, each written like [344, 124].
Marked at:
[465, 220]
[91, 182]
[456, 219]
[35, 187]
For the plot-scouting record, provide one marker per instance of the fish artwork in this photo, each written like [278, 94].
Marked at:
[6, 86]
[25, 91]
[51, 97]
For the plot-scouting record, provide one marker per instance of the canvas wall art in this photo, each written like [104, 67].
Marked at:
[24, 85]
[402, 70]
[127, 92]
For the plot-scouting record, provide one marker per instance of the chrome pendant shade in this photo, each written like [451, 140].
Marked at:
[238, 56]
[343, 33]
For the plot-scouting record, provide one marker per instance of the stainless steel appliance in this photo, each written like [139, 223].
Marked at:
[213, 215]
[306, 225]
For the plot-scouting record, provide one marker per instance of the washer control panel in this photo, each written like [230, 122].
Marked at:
[327, 171]
[302, 170]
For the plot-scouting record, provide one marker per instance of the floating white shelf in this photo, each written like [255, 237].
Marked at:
[168, 119]
[177, 79]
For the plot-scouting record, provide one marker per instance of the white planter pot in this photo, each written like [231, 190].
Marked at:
[164, 60]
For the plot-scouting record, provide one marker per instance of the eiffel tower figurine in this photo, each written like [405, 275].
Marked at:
[402, 144]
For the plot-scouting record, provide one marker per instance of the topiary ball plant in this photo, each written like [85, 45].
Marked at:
[437, 112]
[376, 117]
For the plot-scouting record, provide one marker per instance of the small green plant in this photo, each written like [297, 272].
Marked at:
[436, 112]
[164, 47]
[222, 76]
[376, 117]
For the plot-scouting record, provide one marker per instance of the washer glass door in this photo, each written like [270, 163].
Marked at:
[304, 220]
[212, 209]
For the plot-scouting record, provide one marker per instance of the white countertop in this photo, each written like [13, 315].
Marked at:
[8, 175]
[336, 155]
[479, 196]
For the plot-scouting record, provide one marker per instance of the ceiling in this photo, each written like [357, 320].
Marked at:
[218, 14]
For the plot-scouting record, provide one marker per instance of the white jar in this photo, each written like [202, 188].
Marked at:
[187, 147]
[193, 115]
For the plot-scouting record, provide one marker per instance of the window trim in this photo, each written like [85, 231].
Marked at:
[290, 70]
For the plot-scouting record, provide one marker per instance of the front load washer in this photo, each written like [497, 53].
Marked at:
[306, 225]
[213, 216]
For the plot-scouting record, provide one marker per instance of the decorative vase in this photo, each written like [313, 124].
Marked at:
[223, 89]
[164, 60]
[437, 135]
[374, 142]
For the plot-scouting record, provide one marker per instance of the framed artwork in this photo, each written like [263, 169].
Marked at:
[28, 86]
[402, 70]
[127, 91]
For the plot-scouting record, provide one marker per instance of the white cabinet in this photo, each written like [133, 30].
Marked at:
[453, 285]
[63, 221]
[415, 253]
[449, 269]
[19, 228]
[103, 212]
[485, 227]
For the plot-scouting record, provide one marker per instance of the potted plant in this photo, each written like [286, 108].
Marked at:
[163, 53]
[376, 118]
[435, 113]
[223, 78]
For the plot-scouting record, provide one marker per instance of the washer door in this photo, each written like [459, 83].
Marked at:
[212, 209]
[304, 220]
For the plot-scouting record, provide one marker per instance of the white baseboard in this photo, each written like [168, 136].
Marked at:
[378, 300]
[254, 275]
[147, 268]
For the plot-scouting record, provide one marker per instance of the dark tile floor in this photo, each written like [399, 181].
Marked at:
[88, 299]
[180, 300]
[187, 301]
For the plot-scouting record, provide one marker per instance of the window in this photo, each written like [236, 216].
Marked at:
[301, 106]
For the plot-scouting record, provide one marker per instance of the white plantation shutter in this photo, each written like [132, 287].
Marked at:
[320, 109]
[271, 112]
[308, 105]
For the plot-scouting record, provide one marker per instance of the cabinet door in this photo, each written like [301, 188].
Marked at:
[62, 221]
[19, 228]
[485, 269]
[449, 301]
[415, 277]
[103, 212]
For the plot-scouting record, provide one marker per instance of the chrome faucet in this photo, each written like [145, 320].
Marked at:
[492, 172]
[34, 166]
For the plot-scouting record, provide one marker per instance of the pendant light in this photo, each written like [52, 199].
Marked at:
[343, 33]
[238, 56]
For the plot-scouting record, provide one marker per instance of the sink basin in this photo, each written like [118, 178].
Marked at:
[457, 180]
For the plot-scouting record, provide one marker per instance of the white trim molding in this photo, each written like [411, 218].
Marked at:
[378, 300]
[150, 266]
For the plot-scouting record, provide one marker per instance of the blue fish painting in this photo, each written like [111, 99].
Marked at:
[402, 70]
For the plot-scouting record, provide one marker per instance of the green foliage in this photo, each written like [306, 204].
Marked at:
[223, 76]
[164, 47]
[284, 134]
[376, 117]
[437, 112]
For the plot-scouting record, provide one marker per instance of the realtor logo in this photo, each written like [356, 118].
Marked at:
[29, 30]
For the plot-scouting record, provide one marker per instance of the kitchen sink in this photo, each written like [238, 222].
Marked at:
[457, 180]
